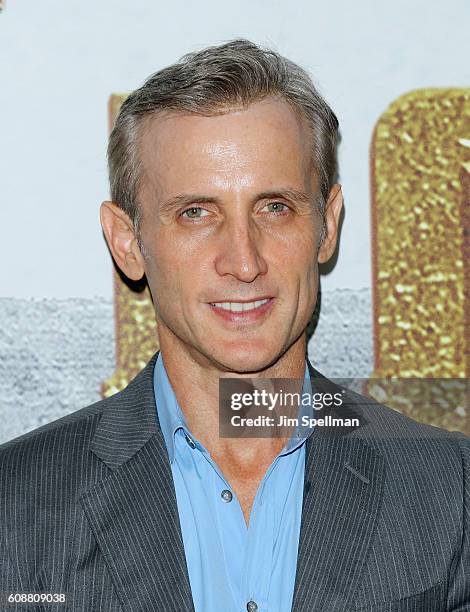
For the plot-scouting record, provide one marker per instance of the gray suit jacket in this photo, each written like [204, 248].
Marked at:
[88, 508]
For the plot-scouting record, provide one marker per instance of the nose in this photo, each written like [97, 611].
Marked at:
[239, 254]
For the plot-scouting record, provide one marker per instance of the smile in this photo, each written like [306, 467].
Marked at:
[240, 306]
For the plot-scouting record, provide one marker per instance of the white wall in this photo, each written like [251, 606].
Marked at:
[60, 60]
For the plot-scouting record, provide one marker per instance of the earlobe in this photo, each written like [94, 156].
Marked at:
[119, 232]
[332, 214]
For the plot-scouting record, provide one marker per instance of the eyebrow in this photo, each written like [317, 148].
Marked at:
[184, 199]
[287, 193]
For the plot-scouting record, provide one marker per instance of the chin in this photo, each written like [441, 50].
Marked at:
[244, 359]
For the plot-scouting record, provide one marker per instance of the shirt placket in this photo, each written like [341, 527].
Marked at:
[231, 528]
[259, 550]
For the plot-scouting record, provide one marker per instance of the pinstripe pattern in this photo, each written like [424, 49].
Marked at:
[88, 507]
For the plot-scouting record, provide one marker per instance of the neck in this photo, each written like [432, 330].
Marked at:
[195, 381]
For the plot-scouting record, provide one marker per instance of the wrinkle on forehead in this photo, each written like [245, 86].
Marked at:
[224, 158]
[226, 181]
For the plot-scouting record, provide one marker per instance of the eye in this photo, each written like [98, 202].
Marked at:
[193, 212]
[277, 207]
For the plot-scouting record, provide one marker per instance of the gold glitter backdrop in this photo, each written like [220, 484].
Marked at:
[420, 165]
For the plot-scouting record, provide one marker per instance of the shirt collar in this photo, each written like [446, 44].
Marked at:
[301, 433]
[171, 417]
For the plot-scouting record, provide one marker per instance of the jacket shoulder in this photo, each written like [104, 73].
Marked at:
[406, 442]
[50, 454]
[73, 422]
[381, 417]
[62, 448]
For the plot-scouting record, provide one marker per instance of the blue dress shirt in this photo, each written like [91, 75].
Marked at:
[233, 567]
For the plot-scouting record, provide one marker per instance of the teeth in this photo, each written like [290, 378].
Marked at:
[238, 306]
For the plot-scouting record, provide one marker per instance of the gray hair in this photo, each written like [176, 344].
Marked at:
[213, 81]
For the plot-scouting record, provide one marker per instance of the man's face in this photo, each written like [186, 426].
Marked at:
[229, 217]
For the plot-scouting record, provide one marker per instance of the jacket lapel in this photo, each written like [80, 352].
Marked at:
[342, 496]
[133, 512]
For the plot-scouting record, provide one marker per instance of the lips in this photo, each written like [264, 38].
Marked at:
[246, 312]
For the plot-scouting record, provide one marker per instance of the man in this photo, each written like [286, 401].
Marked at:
[222, 171]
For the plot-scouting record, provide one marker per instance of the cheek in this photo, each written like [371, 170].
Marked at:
[162, 271]
[298, 257]
[303, 262]
[174, 273]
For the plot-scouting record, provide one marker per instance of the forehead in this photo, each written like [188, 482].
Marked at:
[261, 145]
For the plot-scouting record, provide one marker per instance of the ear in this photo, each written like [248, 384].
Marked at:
[332, 213]
[122, 241]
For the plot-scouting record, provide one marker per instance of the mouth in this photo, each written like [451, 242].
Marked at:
[243, 311]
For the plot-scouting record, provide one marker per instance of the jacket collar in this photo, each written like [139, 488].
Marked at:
[128, 421]
[133, 513]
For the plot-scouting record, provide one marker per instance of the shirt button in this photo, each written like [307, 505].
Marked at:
[252, 606]
[227, 496]
[189, 441]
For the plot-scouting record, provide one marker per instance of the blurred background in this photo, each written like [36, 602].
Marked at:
[61, 62]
